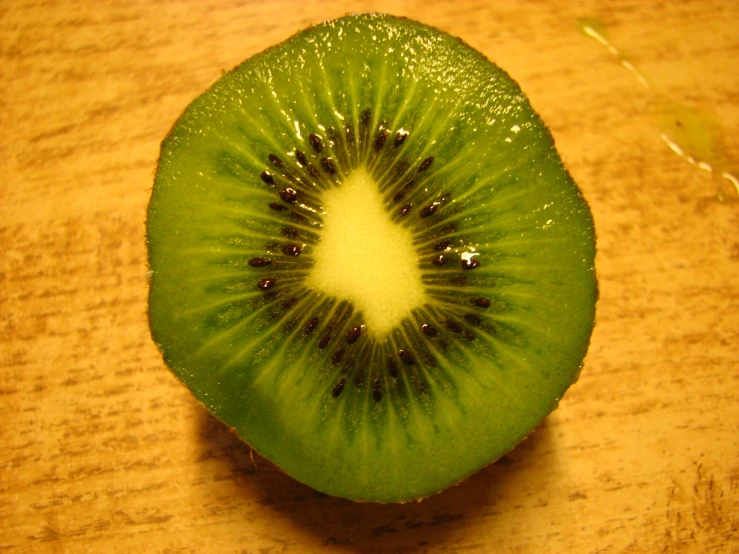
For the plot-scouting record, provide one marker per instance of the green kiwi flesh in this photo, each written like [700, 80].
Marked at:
[503, 251]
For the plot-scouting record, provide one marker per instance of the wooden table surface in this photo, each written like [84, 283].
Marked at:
[102, 450]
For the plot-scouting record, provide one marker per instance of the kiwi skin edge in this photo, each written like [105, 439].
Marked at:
[235, 433]
[169, 336]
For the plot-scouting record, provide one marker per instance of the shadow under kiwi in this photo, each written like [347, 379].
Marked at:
[370, 528]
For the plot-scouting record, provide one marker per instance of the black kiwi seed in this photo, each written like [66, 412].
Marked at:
[399, 196]
[353, 334]
[469, 263]
[377, 391]
[438, 260]
[482, 302]
[338, 355]
[453, 326]
[274, 160]
[289, 195]
[405, 209]
[277, 207]
[429, 210]
[428, 330]
[425, 164]
[315, 142]
[291, 250]
[259, 262]
[267, 177]
[310, 326]
[300, 157]
[338, 388]
[392, 367]
[323, 343]
[380, 140]
[265, 283]
[328, 166]
[473, 319]
[406, 356]
[400, 137]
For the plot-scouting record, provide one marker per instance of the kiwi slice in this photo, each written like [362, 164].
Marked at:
[368, 259]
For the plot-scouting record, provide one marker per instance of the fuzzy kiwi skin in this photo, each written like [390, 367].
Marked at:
[173, 343]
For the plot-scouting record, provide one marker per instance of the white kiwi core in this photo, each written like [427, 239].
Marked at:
[363, 257]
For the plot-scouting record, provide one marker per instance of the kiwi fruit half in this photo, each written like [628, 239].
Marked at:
[368, 259]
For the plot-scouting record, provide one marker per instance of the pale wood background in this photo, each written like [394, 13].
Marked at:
[102, 450]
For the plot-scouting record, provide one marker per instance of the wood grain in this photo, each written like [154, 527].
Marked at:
[103, 450]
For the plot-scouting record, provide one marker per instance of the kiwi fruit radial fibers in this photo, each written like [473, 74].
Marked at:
[368, 259]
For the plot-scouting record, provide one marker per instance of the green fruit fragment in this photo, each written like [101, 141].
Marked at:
[384, 365]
